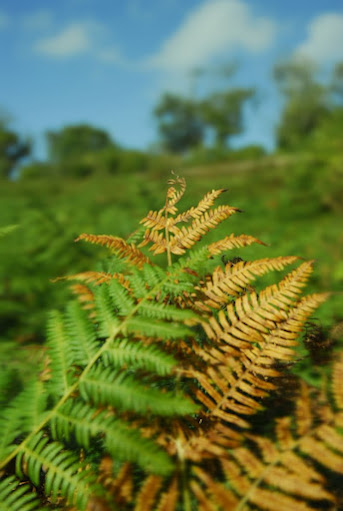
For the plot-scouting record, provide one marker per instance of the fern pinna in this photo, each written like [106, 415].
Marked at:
[155, 389]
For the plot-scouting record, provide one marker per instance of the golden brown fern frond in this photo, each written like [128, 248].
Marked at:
[196, 212]
[234, 279]
[146, 498]
[96, 278]
[337, 383]
[285, 473]
[173, 195]
[84, 296]
[233, 387]
[230, 242]
[119, 486]
[169, 498]
[186, 237]
[182, 239]
[119, 246]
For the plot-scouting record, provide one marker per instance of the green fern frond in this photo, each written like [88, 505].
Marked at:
[136, 355]
[60, 353]
[121, 299]
[10, 427]
[82, 334]
[105, 311]
[168, 312]
[64, 474]
[141, 326]
[107, 387]
[16, 496]
[78, 420]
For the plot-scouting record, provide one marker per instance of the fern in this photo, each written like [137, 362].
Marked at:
[154, 391]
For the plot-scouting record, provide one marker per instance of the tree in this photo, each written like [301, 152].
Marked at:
[306, 102]
[337, 83]
[179, 123]
[12, 149]
[223, 113]
[72, 142]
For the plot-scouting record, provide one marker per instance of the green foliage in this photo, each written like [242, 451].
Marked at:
[179, 123]
[70, 143]
[222, 112]
[162, 369]
[12, 149]
[309, 104]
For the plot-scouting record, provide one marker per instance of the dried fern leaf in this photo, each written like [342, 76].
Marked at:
[96, 278]
[84, 295]
[235, 278]
[230, 242]
[222, 496]
[304, 417]
[186, 237]
[169, 498]
[337, 382]
[119, 246]
[173, 195]
[146, 499]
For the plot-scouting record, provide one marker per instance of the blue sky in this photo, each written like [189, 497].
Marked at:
[106, 62]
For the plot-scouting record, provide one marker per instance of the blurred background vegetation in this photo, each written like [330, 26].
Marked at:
[292, 198]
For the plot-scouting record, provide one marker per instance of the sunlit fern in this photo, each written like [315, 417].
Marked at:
[157, 382]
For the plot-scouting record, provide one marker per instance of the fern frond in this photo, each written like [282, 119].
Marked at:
[84, 296]
[119, 246]
[337, 379]
[84, 423]
[235, 278]
[60, 355]
[82, 334]
[95, 277]
[146, 498]
[230, 242]
[184, 238]
[253, 315]
[105, 311]
[288, 470]
[106, 387]
[143, 327]
[173, 195]
[16, 496]
[121, 298]
[168, 499]
[65, 475]
[136, 355]
[168, 312]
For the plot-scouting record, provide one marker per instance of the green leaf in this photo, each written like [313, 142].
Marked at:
[105, 387]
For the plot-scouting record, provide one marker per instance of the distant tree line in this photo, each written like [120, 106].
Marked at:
[187, 124]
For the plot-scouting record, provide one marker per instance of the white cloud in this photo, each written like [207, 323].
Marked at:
[217, 26]
[39, 20]
[75, 39]
[325, 38]
[109, 55]
[4, 20]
